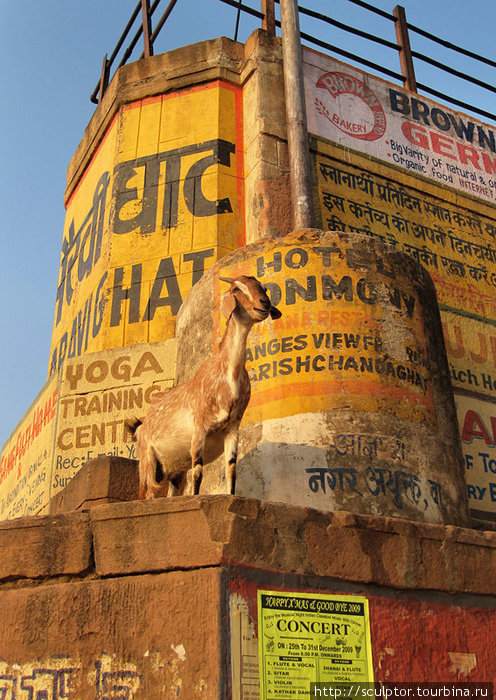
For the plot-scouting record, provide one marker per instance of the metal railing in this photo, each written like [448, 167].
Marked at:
[144, 12]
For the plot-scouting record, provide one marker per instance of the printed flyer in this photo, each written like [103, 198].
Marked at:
[306, 638]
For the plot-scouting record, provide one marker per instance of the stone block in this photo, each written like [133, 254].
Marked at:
[45, 546]
[156, 535]
[102, 480]
[189, 531]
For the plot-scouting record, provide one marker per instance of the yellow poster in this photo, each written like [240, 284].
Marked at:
[306, 638]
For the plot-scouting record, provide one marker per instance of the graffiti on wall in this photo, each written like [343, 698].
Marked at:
[140, 233]
[60, 678]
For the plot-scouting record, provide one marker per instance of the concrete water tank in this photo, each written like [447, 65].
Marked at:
[351, 405]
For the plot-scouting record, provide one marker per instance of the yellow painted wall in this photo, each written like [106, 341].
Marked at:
[25, 461]
[328, 349]
[79, 415]
[416, 175]
[453, 237]
[160, 201]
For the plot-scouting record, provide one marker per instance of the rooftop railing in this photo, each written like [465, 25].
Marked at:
[144, 26]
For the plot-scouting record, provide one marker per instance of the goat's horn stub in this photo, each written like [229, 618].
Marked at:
[229, 280]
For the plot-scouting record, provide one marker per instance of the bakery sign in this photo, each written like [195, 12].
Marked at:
[354, 109]
[359, 111]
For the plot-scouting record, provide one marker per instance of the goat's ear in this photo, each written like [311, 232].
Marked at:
[275, 313]
[227, 304]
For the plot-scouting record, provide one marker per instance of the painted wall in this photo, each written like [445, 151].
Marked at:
[26, 457]
[79, 415]
[450, 644]
[155, 195]
[351, 405]
[98, 604]
[160, 201]
[422, 178]
[162, 184]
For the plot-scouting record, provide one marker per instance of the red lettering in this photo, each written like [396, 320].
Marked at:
[451, 349]
[468, 155]
[415, 134]
[489, 165]
[438, 142]
[482, 355]
[473, 426]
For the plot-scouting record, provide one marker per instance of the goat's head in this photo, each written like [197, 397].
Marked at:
[248, 299]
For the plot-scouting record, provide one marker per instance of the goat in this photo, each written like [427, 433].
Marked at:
[194, 422]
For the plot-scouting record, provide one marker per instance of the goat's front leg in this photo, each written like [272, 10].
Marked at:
[197, 445]
[231, 458]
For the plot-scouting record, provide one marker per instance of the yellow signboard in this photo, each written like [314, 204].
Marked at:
[160, 202]
[97, 393]
[478, 433]
[454, 238]
[79, 415]
[27, 455]
[306, 638]
[339, 302]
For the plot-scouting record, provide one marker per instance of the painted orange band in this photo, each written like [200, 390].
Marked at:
[357, 387]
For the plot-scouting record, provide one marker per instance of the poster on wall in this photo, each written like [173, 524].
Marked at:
[306, 638]
[360, 111]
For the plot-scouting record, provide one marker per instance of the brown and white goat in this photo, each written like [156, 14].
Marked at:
[192, 423]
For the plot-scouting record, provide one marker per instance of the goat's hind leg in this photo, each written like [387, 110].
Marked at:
[148, 470]
[197, 445]
[231, 458]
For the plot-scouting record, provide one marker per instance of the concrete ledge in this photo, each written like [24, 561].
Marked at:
[45, 546]
[193, 532]
[102, 480]
[187, 532]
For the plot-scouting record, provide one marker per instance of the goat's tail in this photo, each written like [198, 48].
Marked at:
[132, 425]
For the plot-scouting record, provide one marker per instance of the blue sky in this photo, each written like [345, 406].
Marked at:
[51, 54]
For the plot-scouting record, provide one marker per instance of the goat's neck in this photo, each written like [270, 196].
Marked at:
[233, 344]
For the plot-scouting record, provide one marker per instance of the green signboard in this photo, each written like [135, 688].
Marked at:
[306, 638]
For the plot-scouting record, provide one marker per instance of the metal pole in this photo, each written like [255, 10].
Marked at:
[403, 40]
[147, 27]
[269, 19]
[296, 118]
